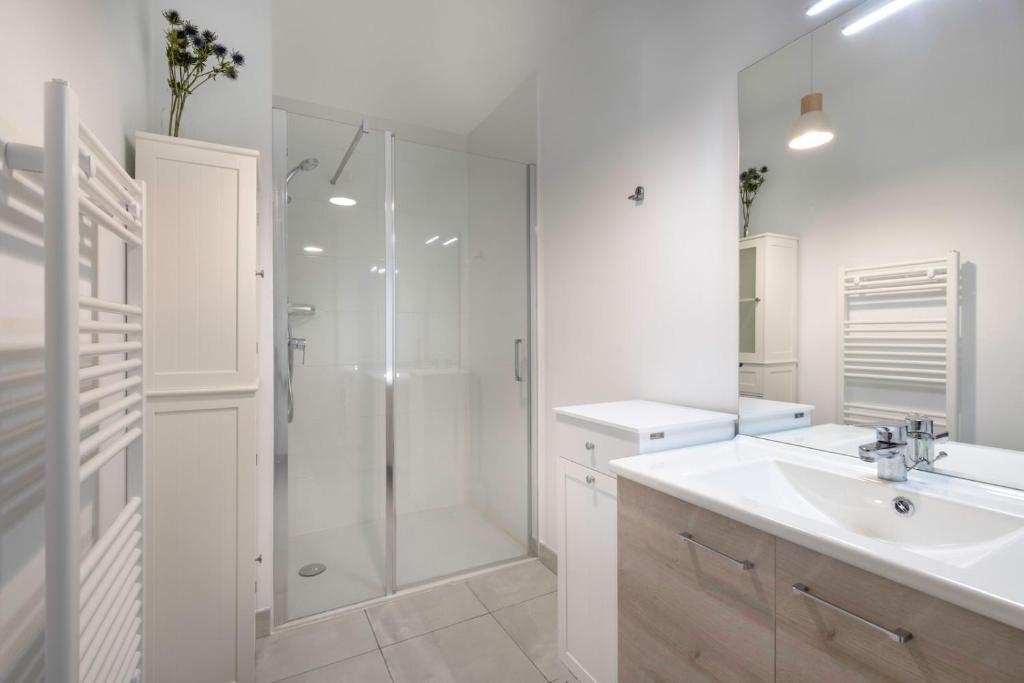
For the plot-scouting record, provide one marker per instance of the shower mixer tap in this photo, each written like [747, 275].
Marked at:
[294, 343]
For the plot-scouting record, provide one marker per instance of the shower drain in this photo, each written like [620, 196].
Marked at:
[312, 569]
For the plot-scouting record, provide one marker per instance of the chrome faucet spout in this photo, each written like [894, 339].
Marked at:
[889, 451]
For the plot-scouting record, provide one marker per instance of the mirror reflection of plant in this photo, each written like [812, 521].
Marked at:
[751, 181]
[193, 57]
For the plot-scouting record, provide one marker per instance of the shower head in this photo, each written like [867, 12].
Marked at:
[304, 165]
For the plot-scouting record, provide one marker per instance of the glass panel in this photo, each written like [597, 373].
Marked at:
[461, 460]
[748, 273]
[748, 307]
[336, 501]
[747, 313]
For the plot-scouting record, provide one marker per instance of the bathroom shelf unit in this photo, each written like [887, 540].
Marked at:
[768, 314]
[898, 339]
[94, 407]
[201, 379]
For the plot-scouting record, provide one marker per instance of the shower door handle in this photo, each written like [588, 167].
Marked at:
[516, 351]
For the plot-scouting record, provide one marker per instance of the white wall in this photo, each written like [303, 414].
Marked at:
[236, 113]
[99, 46]
[445, 64]
[510, 131]
[640, 301]
[927, 109]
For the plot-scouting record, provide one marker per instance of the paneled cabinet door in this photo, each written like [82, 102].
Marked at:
[200, 301]
[587, 602]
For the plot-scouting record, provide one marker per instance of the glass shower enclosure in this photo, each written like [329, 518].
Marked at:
[402, 384]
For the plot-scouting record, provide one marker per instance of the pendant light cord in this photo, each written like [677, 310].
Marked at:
[812, 61]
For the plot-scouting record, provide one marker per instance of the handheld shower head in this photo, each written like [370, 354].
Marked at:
[304, 165]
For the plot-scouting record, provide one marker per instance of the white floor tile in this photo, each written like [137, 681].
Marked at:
[474, 651]
[303, 649]
[367, 668]
[513, 585]
[414, 615]
[534, 626]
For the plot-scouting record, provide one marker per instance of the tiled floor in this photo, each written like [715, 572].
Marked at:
[498, 627]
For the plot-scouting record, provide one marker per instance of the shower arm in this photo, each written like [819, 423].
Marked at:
[363, 130]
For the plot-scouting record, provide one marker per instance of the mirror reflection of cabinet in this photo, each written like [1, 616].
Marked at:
[768, 316]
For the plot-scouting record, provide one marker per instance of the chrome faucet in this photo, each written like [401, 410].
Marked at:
[889, 450]
[921, 441]
[899, 448]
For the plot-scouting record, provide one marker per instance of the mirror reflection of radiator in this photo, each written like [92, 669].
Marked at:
[897, 341]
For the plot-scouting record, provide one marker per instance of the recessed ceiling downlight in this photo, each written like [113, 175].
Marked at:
[342, 201]
[313, 249]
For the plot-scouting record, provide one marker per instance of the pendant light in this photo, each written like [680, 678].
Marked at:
[812, 129]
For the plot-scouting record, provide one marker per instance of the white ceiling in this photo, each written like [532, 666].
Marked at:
[445, 64]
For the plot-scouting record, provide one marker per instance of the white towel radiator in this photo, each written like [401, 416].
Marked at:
[898, 339]
[93, 601]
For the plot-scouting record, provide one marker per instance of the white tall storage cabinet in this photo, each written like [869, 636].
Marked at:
[201, 379]
[587, 438]
[768, 316]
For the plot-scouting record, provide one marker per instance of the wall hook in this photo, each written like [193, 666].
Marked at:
[638, 194]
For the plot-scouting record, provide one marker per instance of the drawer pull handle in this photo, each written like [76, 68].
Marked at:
[590, 479]
[900, 635]
[589, 445]
[745, 565]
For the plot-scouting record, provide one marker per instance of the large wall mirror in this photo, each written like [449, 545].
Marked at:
[882, 233]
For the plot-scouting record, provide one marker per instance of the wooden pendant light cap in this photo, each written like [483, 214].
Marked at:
[810, 102]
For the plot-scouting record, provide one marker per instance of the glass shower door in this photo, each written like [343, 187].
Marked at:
[461, 393]
[336, 514]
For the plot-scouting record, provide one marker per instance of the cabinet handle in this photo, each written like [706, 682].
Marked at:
[900, 635]
[745, 565]
[590, 479]
[589, 445]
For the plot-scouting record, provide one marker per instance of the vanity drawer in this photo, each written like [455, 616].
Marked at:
[686, 612]
[592, 445]
[816, 642]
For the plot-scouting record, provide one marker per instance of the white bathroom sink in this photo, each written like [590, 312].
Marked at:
[936, 525]
[962, 541]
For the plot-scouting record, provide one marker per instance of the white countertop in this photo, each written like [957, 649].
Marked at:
[964, 544]
[644, 416]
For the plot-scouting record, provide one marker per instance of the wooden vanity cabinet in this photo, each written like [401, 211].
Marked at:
[687, 613]
[690, 613]
[815, 642]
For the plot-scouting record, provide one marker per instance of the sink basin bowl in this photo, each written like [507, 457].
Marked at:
[956, 531]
